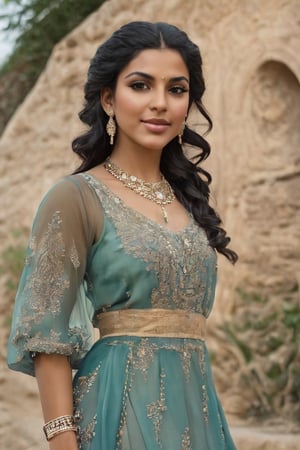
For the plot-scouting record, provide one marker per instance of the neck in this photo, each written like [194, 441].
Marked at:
[144, 165]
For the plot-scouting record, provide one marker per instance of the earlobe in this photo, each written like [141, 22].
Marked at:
[106, 100]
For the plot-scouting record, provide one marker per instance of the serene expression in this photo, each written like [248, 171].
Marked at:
[151, 99]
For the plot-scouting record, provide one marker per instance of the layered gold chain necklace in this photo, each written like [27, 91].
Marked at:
[160, 192]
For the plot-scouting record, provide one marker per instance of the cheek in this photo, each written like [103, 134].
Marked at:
[181, 112]
[126, 103]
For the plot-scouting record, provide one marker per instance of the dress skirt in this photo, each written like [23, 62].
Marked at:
[134, 393]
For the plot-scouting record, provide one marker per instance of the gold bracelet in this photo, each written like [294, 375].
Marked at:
[59, 425]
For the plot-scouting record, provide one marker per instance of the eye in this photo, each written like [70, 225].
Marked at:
[138, 86]
[178, 90]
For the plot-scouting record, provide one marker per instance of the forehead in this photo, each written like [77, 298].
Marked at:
[157, 62]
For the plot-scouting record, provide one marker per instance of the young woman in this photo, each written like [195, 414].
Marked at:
[127, 243]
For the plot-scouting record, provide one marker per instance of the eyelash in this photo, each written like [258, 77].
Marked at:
[142, 86]
[138, 86]
[178, 90]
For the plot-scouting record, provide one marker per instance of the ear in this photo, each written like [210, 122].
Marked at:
[106, 100]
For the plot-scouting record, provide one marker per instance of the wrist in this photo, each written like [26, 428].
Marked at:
[59, 425]
[64, 441]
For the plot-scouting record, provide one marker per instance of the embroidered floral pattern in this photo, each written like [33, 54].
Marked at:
[47, 282]
[142, 353]
[83, 387]
[204, 403]
[74, 257]
[202, 365]
[142, 357]
[86, 433]
[185, 356]
[186, 440]
[156, 409]
[43, 293]
[176, 258]
[126, 390]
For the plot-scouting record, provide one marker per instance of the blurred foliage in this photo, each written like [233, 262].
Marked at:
[40, 24]
[266, 333]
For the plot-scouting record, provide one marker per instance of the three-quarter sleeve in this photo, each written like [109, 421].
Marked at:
[52, 313]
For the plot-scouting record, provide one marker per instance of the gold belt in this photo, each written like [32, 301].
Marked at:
[175, 323]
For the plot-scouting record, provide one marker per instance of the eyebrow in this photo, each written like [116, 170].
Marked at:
[150, 77]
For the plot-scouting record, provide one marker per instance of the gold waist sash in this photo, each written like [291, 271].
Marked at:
[151, 323]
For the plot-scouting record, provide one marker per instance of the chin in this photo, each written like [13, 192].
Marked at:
[156, 144]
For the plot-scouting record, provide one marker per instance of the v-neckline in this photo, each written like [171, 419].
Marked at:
[134, 211]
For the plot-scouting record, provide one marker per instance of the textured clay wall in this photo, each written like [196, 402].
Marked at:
[252, 67]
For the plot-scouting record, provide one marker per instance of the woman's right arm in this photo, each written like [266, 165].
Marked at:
[52, 316]
[54, 377]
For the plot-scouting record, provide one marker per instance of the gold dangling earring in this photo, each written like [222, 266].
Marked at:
[111, 128]
[181, 133]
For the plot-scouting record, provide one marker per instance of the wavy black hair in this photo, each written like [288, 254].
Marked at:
[189, 181]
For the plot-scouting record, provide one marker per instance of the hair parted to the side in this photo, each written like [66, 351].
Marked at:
[189, 181]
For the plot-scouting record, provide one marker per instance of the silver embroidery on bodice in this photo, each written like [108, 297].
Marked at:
[179, 259]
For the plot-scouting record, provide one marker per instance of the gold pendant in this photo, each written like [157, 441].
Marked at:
[164, 213]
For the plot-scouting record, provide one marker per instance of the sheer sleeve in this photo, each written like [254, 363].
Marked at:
[52, 313]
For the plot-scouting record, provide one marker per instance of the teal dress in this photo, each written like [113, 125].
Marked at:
[90, 253]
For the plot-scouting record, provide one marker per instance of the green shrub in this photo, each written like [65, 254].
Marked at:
[40, 24]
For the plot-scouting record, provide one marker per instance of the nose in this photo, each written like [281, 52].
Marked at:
[159, 99]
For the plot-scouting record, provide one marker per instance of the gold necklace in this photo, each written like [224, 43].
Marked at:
[160, 192]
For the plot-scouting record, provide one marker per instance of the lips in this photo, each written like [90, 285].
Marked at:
[156, 121]
[156, 125]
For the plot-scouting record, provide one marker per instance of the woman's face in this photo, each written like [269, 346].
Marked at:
[151, 99]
